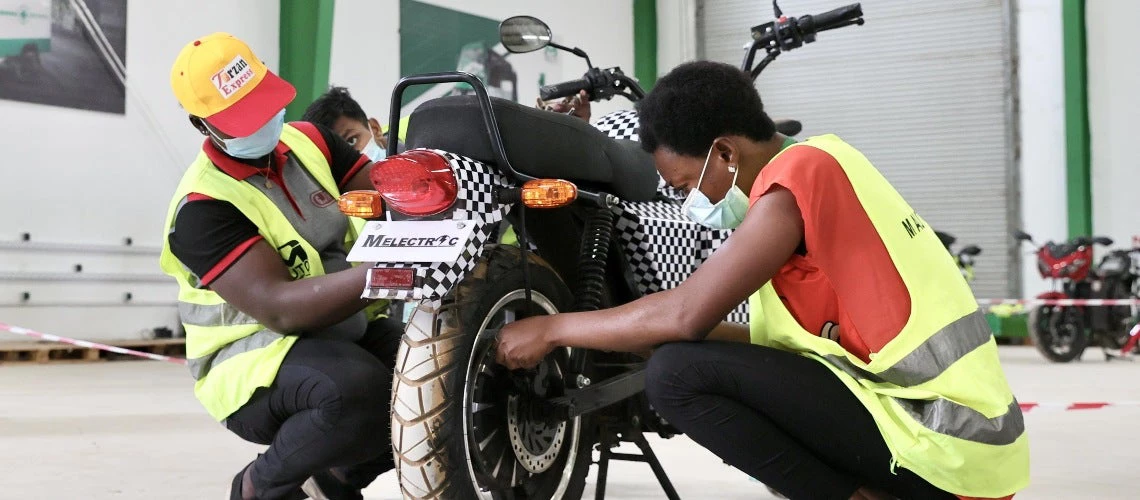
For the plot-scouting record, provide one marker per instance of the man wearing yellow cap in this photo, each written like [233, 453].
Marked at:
[277, 336]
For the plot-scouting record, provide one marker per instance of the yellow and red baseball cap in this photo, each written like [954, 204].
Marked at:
[218, 78]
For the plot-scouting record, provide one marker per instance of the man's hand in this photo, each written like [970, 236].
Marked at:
[524, 343]
[578, 105]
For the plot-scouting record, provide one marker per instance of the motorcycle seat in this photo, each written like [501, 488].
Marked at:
[538, 143]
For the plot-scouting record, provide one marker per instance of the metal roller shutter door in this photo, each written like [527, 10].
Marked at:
[924, 89]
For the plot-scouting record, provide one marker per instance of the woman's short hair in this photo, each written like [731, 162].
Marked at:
[698, 102]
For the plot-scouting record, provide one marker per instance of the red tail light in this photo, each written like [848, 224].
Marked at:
[416, 183]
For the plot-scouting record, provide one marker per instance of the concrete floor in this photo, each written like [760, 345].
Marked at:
[132, 430]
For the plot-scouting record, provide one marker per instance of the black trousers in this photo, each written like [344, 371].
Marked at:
[784, 419]
[328, 408]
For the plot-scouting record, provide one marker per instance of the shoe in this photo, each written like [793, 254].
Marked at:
[325, 486]
[235, 486]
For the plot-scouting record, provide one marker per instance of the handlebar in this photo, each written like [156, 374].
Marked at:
[600, 84]
[564, 89]
[787, 33]
[835, 18]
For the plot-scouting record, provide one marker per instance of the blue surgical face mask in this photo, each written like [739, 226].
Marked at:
[727, 213]
[259, 143]
[373, 151]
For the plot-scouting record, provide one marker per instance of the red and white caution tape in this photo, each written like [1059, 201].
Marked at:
[1061, 302]
[1080, 405]
[90, 345]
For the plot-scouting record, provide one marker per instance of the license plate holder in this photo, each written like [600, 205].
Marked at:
[412, 241]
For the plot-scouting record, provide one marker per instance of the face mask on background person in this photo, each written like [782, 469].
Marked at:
[258, 144]
[373, 151]
[727, 213]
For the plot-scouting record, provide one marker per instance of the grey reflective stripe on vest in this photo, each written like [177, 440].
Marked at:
[930, 359]
[952, 419]
[940, 351]
[213, 315]
[927, 362]
[199, 367]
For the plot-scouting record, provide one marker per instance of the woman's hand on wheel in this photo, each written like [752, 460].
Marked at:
[524, 343]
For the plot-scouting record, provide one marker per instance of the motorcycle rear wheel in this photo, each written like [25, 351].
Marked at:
[1058, 332]
[458, 430]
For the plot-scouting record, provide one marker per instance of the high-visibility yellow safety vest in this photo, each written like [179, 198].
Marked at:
[229, 353]
[936, 391]
[403, 135]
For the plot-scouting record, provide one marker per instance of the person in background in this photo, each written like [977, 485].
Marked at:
[283, 350]
[867, 372]
[338, 111]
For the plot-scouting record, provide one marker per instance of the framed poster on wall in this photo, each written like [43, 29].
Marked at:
[434, 38]
[69, 53]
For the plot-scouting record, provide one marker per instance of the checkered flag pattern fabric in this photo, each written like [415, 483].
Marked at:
[664, 247]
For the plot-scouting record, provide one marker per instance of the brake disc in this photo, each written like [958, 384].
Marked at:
[536, 443]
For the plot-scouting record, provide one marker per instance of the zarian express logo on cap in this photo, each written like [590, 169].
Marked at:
[233, 77]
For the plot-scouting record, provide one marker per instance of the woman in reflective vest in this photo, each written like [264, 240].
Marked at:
[867, 370]
[283, 350]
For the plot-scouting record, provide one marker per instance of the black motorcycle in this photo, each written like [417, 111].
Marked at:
[594, 231]
[1117, 279]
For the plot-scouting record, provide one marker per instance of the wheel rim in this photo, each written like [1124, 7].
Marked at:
[500, 433]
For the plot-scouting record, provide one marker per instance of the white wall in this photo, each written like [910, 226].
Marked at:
[366, 52]
[366, 43]
[1041, 78]
[1114, 108]
[676, 33]
[93, 178]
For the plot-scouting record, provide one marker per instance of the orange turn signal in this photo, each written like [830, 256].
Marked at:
[362, 204]
[548, 193]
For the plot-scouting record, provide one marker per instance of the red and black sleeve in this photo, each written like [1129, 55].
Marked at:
[210, 235]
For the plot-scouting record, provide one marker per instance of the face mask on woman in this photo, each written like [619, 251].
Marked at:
[259, 143]
[727, 213]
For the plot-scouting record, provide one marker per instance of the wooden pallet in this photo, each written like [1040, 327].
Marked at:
[54, 352]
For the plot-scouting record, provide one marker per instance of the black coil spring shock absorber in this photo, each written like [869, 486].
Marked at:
[592, 260]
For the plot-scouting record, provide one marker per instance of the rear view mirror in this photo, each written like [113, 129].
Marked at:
[1103, 240]
[972, 250]
[522, 34]
[1020, 235]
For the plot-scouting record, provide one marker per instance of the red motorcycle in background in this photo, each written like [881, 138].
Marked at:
[1062, 332]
